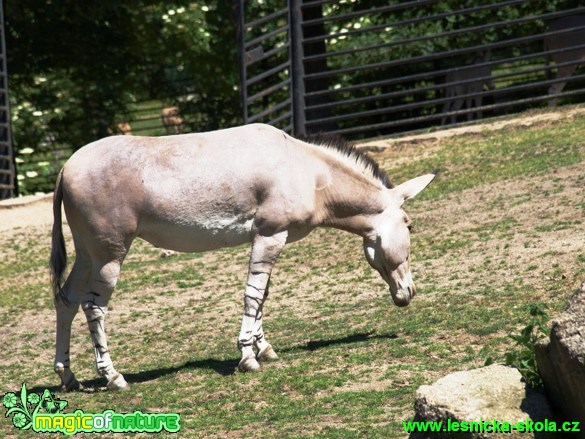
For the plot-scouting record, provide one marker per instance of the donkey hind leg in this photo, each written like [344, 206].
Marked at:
[555, 89]
[67, 305]
[95, 306]
[265, 251]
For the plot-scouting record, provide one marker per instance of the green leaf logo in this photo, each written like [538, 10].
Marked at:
[9, 400]
[24, 408]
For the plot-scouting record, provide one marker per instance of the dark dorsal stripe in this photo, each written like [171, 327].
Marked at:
[348, 149]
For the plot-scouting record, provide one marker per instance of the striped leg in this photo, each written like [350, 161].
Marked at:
[95, 306]
[67, 305]
[265, 251]
[265, 351]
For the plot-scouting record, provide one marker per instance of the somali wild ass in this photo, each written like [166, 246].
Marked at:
[566, 61]
[197, 192]
[465, 86]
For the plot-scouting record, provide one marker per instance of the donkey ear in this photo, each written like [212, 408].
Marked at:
[411, 188]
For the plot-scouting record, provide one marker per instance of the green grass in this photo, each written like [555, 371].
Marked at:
[471, 160]
[350, 361]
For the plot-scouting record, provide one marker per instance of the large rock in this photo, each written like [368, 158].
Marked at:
[561, 361]
[492, 393]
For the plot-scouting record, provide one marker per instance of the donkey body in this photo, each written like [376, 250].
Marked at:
[566, 60]
[465, 86]
[197, 192]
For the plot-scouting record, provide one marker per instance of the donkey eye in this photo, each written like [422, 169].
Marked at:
[409, 224]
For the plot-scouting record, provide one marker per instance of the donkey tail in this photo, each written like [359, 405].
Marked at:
[58, 261]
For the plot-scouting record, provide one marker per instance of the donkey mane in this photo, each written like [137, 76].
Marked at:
[345, 149]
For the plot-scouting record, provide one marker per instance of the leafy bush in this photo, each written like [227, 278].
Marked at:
[523, 357]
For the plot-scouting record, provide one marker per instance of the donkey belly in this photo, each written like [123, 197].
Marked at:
[196, 236]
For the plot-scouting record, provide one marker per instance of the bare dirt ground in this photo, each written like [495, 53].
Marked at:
[526, 120]
[29, 211]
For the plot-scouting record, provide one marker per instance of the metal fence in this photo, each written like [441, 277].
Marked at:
[369, 68]
[8, 182]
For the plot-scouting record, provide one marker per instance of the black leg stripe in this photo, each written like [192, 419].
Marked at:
[255, 299]
[263, 262]
[260, 290]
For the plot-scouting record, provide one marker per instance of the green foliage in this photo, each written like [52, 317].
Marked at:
[78, 69]
[523, 357]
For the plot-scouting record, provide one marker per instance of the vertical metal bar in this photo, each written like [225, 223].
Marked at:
[242, 55]
[6, 133]
[297, 66]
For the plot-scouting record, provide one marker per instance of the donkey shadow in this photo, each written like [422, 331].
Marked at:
[229, 366]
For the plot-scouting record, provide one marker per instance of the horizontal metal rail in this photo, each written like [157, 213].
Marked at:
[361, 13]
[270, 72]
[250, 59]
[280, 118]
[269, 90]
[275, 33]
[269, 111]
[435, 17]
[267, 18]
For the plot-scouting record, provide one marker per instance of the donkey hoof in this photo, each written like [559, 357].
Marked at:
[68, 381]
[248, 364]
[72, 386]
[117, 383]
[267, 354]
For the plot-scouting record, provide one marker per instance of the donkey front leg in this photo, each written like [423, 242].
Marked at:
[265, 350]
[265, 251]
[95, 306]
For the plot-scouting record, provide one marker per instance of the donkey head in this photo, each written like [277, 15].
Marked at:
[387, 247]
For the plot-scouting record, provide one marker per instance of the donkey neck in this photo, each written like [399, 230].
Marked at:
[349, 202]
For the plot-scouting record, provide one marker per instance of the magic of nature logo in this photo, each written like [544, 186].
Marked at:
[43, 413]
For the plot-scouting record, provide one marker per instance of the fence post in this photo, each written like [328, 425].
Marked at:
[241, 41]
[8, 180]
[297, 66]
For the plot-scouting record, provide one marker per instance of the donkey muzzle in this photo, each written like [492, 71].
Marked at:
[402, 287]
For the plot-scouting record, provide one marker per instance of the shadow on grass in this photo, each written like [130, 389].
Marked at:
[224, 367]
[350, 339]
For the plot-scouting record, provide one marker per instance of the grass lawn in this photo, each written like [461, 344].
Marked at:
[501, 228]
